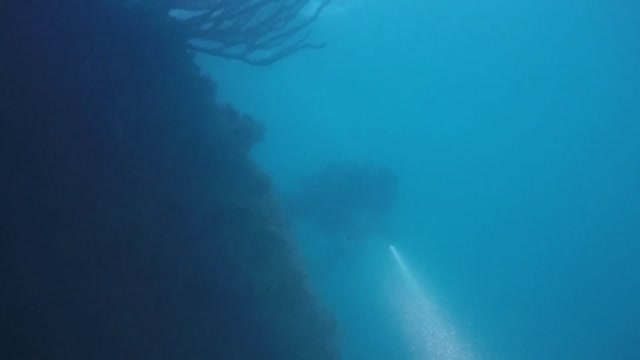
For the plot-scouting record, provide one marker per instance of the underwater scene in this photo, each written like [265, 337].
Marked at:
[320, 180]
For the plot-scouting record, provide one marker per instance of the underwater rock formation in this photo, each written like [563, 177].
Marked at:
[345, 199]
[135, 225]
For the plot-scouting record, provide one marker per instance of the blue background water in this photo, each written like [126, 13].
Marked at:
[513, 127]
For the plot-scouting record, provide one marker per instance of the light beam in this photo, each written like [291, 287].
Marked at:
[430, 335]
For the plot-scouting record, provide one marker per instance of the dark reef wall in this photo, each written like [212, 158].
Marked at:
[134, 223]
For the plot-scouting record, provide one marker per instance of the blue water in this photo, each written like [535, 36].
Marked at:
[513, 128]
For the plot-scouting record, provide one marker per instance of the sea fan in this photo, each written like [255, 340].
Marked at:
[258, 32]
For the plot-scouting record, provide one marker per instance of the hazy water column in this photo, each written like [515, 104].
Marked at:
[512, 126]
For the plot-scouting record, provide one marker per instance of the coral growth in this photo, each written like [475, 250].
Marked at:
[258, 32]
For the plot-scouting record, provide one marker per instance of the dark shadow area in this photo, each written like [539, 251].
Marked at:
[135, 225]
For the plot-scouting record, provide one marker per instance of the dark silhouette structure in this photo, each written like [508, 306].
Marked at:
[345, 199]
